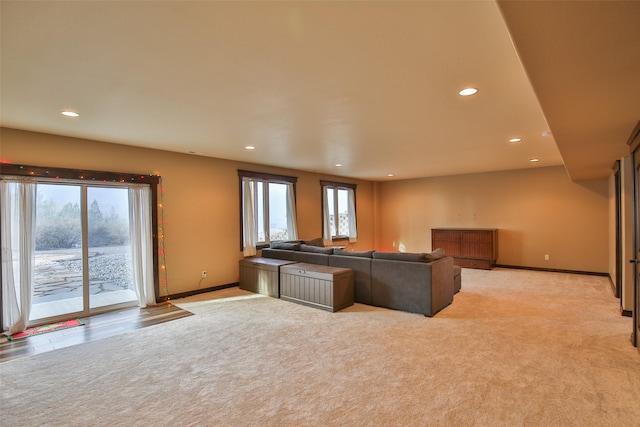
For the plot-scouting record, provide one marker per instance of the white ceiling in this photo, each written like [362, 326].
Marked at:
[370, 85]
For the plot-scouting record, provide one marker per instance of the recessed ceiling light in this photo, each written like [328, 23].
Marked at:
[546, 133]
[70, 114]
[534, 160]
[468, 91]
[249, 147]
[390, 175]
[515, 140]
[338, 165]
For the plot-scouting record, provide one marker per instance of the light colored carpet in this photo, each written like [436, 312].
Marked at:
[516, 348]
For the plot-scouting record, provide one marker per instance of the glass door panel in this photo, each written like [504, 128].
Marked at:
[109, 255]
[58, 286]
[83, 256]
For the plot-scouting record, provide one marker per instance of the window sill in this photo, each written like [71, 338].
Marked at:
[340, 239]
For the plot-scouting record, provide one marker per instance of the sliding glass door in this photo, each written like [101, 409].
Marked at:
[81, 243]
[82, 251]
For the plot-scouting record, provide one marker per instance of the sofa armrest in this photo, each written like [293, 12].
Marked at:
[361, 275]
[416, 287]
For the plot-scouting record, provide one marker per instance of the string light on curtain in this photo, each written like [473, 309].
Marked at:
[164, 283]
[83, 175]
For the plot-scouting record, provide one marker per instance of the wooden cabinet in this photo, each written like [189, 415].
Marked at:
[469, 247]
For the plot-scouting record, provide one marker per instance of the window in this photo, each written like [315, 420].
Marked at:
[267, 208]
[338, 211]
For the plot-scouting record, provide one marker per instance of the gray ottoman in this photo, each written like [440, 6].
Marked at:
[457, 279]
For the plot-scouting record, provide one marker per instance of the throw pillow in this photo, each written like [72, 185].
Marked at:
[285, 245]
[400, 256]
[363, 254]
[314, 242]
[315, 249]
[435, 254]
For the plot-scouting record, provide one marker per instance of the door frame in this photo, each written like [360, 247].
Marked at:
[617, 284]
[634, 145]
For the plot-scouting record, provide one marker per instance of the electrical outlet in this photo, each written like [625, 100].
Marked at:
[546, 257]
[204, 274]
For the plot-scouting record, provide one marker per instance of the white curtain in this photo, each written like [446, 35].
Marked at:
[18, 213]
[292, 225]
[249, 217]
[141, 243]
[353, 232]
[326, 218]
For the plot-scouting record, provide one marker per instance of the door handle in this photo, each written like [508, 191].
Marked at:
[634, 261]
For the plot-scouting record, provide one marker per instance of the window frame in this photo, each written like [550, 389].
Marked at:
[324, 185]
[266, 179]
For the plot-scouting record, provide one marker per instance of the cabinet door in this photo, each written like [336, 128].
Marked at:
[477, 244]
[449, 240]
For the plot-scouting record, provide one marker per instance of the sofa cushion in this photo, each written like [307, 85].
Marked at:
[363, 254]
[314, 242]
[400, 256]
[285, 245]
[435, 254]
[315, 249]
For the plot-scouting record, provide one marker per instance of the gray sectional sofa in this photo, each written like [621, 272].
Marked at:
[417, 283]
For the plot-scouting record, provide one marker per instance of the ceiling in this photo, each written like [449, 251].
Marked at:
[371, 86]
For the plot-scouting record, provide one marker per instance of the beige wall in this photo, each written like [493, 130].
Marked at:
[538, 211]
[201, 200]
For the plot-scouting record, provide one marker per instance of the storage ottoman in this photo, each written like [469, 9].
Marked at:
[261, 275]
[320, 286]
